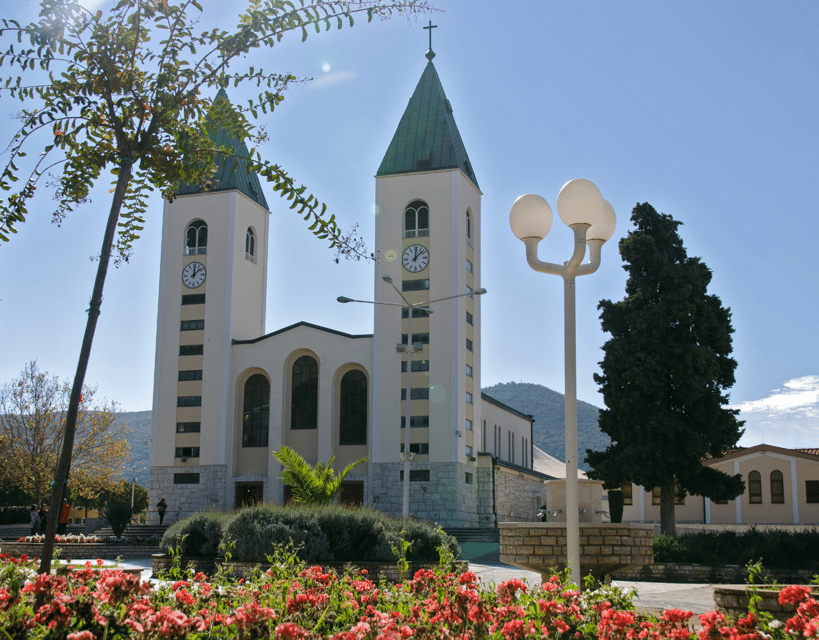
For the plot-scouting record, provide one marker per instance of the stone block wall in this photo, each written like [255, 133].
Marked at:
[446, 498]
[186, 499]
[518, 495]
[604, 548]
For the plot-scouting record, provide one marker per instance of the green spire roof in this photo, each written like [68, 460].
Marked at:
[231, 172]
[427, 137]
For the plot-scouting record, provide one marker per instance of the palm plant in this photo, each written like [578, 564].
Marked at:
[317, 485]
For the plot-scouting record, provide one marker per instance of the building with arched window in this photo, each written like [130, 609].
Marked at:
[781, 487]
[228, 392]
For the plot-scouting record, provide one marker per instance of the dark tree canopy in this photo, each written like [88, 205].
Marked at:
[666, 371]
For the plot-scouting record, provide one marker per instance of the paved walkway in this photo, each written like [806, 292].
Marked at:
[651, 597]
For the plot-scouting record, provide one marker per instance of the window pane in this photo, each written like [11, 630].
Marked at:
[304, 402]
[256, 417]
[777, 488]
[755, 487]
[353, 420]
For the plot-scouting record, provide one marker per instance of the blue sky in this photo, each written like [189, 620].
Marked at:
[706, 110]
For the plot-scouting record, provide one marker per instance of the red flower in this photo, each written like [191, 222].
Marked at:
[290, 630]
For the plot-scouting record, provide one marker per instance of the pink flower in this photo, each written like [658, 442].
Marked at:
[290, 630]
[81, 635]
[676, 615]
[794, 594]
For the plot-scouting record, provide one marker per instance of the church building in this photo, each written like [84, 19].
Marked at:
[227, 395]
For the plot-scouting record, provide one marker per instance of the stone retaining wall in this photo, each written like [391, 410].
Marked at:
[604, 548]
[734, 601]
[86, 550]
[725, 574]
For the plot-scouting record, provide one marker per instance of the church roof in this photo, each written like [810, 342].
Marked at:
[427, 137]
[231, 173]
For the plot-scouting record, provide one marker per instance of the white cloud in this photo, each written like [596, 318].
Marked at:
[788, 417]
[330, 79]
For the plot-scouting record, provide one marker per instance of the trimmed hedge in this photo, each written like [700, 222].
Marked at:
[321, 534]
[774, 548]
[15, 515]
[199, 535]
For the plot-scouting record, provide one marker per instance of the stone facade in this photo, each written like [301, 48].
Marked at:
[103, 551]
[446, 498]
[518, 493]
[186, 499]
[604, 548]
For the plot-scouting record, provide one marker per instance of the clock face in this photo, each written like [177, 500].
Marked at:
[415, 258]
[193, 275]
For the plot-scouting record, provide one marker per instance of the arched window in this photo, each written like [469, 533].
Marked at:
[304, 401]
[777, 488]
[196, 238]
[416, 219]
[353, 414]
[256, 416]
[250, 245]
[468, 226]
[755, 487]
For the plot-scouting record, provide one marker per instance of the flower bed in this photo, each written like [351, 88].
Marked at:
[291, 600]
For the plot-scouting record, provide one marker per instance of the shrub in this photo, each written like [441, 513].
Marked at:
[774, 548]
[257, 531]
[117, 515]
[199, 535]
[317, 534]
[15, 515]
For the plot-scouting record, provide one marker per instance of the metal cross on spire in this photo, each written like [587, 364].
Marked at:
[430, 54]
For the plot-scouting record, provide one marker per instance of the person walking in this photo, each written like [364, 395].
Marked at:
[161, 508]
[35, 520]
[43, 513]
[65, 513]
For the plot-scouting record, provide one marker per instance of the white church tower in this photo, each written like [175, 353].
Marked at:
[428, 234]
[213, 277]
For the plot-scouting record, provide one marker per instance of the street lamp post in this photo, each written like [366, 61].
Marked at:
[409, 348]
[592, 220]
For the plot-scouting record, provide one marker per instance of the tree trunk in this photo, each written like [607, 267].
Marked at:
[668, 523]
[64, 465]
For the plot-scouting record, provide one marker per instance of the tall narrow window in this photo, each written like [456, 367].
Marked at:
[627, 495]
[304, 401]
[353, 414]
[196, 238]
[468, 226]
[250, 245]
[256, 418]
[755, 487]
[416, 219]
[777, 488]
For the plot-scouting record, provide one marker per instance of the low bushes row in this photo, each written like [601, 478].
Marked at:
[773, 548]
[15, 515]
[321, 534]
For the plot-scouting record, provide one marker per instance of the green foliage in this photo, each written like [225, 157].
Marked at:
[117, 515]
[665, 371]
[311, 485]
[200, 535]
[773, 547]
[258, 531]
[15, 515]
[549, 409]
[318, 534]
[130, 91]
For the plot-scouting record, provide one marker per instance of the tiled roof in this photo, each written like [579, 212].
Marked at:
[427, 138]
[232, 172]
[813, 452]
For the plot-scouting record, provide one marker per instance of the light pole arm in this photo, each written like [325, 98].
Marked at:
[567, 269]
[538, 265]
[594, 258]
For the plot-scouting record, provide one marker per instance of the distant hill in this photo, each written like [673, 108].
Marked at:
[139, 424]
[541, 402]
[547, 407]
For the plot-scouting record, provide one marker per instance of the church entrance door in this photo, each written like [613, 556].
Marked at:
[248, 494]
